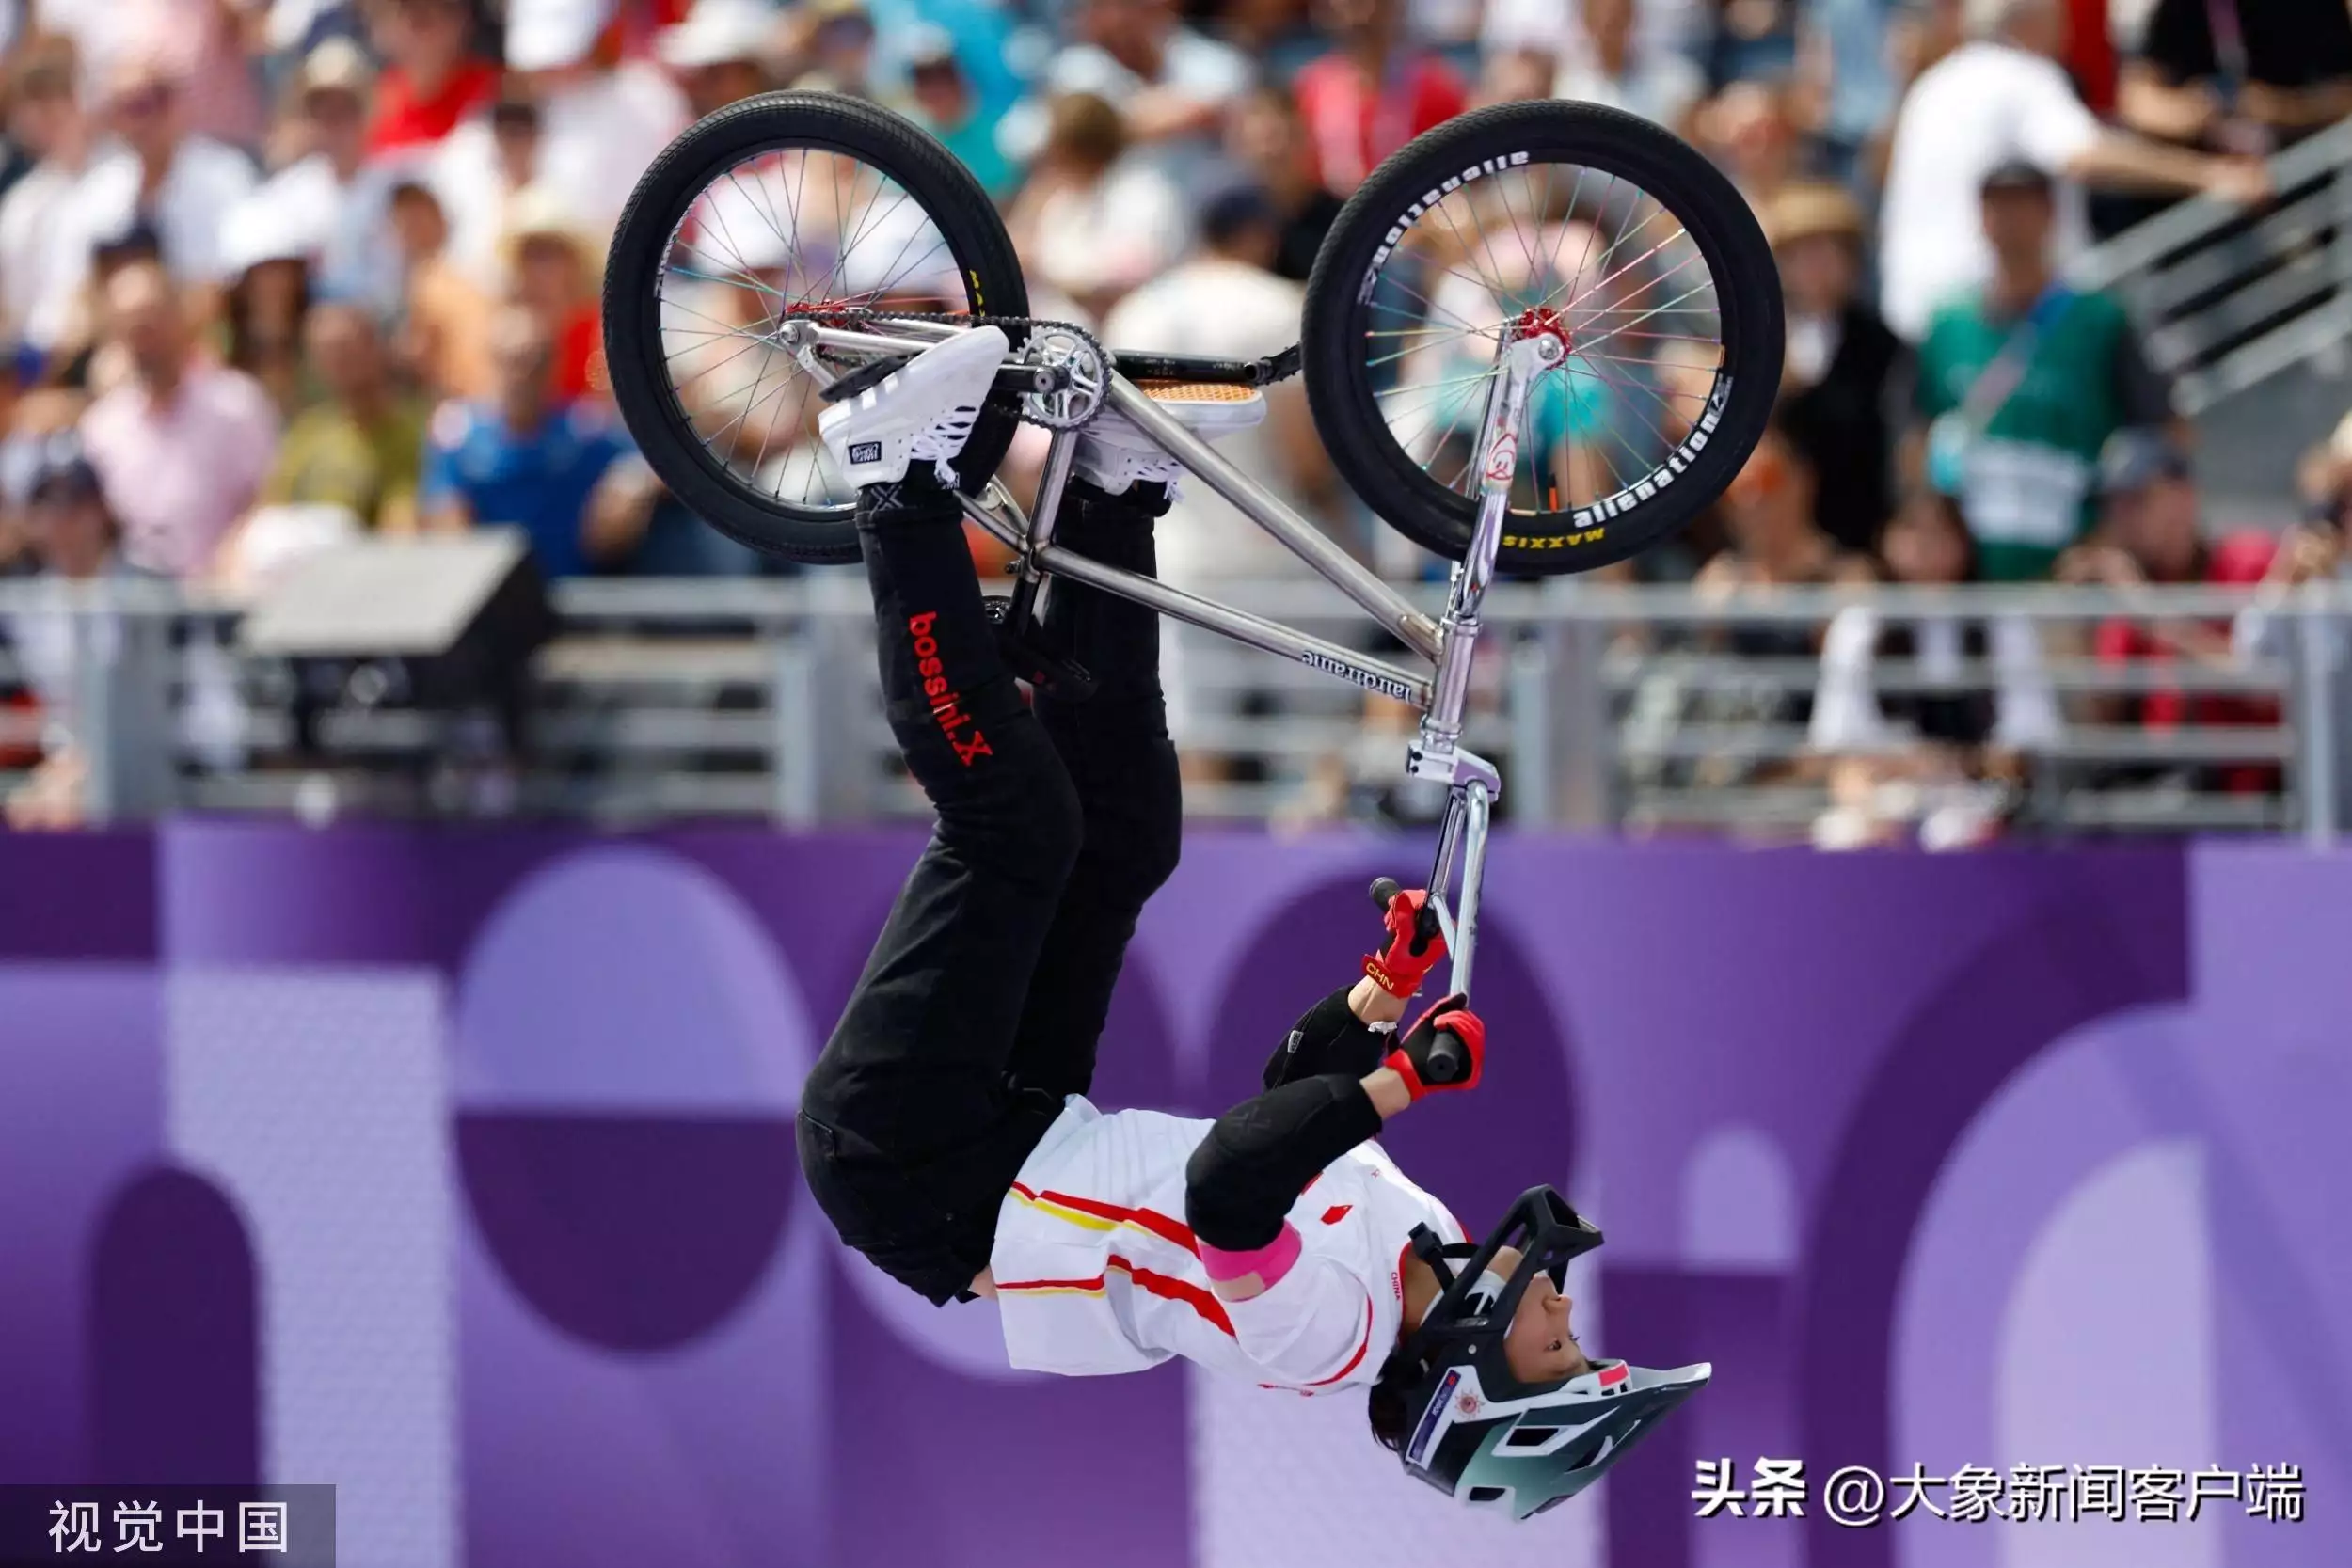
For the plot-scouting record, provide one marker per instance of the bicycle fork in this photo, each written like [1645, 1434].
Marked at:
[1437, 752]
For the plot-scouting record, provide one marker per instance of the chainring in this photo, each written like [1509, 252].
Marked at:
[1045, 344]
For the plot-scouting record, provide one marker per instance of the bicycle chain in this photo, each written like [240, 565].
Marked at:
[1031, 406]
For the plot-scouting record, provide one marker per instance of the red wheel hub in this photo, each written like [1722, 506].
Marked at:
[1542, 321]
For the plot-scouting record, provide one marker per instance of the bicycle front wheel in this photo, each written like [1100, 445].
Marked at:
[792, 205]
[1563, 217]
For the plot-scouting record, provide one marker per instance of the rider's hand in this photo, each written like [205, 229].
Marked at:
[1409, 957]
[1450, 1019]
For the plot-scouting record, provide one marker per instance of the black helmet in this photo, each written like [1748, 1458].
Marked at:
[1477, 1433]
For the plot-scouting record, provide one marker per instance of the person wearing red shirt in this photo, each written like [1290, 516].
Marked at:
[1373, 93]
[2150, 534]
[554, 267]
[432, 78]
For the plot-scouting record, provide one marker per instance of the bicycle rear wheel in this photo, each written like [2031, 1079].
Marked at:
[796, 204]
[1561, 217]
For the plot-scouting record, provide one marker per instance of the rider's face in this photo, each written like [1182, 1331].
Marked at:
[1540, 1345]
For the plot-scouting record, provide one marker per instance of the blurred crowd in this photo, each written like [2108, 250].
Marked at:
[278, 271]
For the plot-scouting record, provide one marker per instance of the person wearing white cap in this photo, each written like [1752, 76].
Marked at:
[603, 124]
[718, 52]
[335, 192]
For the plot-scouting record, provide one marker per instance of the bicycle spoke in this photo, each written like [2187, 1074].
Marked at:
[765, 238]
[1613, 263]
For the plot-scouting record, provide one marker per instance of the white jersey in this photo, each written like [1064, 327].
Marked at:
[1096, 1270]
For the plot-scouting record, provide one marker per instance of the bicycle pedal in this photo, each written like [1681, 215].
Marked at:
[1047, 672]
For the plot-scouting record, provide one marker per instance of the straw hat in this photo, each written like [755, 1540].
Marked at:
[1810, 211]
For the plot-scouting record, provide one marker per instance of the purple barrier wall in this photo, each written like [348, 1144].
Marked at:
[457, 1169]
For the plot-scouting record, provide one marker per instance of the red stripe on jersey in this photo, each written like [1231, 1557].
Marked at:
[1169, 1289]
[1094, 1284]
[1356, 1360]
[1148, 1219]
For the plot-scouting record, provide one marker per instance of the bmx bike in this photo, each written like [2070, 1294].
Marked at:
[1538, 339]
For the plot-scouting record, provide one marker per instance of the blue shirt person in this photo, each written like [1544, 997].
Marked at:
[555, 470]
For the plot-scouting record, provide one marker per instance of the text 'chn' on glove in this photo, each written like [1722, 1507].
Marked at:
[1415, 945]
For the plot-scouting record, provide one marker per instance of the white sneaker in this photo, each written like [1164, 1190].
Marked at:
[923, 410]
[1114, 455]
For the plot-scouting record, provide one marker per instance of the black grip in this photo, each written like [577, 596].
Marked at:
[1384, 889]
[1447, 1062]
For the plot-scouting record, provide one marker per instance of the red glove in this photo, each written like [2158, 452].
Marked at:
[1450, 1021]
[1410, 955]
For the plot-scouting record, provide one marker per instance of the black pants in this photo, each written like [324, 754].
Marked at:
[982, 1002]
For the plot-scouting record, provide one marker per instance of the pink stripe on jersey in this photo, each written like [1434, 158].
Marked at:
[1269, 1262]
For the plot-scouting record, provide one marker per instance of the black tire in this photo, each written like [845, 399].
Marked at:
[931, 177]
[1341, 384]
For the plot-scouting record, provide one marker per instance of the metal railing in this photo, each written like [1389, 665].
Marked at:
[1647, 708]
[2230, 300]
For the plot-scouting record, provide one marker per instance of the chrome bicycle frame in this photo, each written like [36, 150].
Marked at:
[1447, 641]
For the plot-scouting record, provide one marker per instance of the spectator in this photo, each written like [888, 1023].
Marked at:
[1998, 100]
[945, 105]
[181, 186]
[266, 251]
[361, 449]
[1374, 93]
[2022, 381]
[74, 540]
[1749, 40]
[479, 171]
[332, 193]
[46, 122]
[1944, 760]
[603, 120]
[1172, 83]
[1751, 132]
[716, 52]
[837, 52]
[1266, 138]
[1226, 302]
[433, 80]
[1553, 27]
[2238, 75]
[2149, 533]
[183, 444]
[530, 459]
[1776, 536]
[1608, 58]
[1775, 542]
[1852, 49]
[554, 266]
[1839, 374]
[1091, 221]
[444, 319]
[34, 415]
